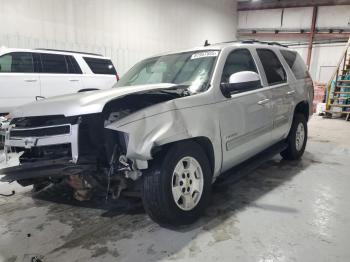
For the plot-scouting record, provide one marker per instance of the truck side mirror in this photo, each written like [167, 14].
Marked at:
[240, 82]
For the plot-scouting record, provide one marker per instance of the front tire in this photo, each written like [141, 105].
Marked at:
[177, 189]
[296, 139]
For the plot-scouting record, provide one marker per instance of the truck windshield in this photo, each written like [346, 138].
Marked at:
[192, 69]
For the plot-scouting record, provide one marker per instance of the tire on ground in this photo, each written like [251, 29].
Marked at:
[157, 193]
[292, 152]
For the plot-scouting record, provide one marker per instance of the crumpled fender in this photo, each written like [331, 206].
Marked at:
[148, 128]
[153, 131]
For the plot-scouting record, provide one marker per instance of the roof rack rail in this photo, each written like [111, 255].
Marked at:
[276, 43]
[252, 41]
[67, 51]
[232, 41]
[226, 42]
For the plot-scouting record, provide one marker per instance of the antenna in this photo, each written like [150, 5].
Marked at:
[206, 43]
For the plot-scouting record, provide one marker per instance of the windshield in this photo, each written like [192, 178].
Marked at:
[192, 69]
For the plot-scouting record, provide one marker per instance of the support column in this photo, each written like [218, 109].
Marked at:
[312, 35]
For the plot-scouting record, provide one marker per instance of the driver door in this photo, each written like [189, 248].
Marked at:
[245, 117]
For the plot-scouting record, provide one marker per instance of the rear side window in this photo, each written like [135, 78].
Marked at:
[100, 66]
[55, 64]
[18, 62]
[273, 68]
[295, 63]
[73, 66]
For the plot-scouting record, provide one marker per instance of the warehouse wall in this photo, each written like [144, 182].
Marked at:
[324, 56]
[127, 31]
[295, 18]
[324, 59]
[287, 18]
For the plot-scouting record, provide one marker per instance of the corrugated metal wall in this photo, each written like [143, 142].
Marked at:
[126, 30]
[295, 18]
[324, 56]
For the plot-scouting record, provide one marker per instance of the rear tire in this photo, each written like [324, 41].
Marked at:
[296, 139]
[177, 189]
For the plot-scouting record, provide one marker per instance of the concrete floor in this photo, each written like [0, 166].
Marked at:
[284, 211]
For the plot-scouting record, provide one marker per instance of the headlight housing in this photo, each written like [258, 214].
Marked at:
[5, 121]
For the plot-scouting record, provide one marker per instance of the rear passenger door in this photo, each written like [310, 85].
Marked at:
[60, 75]
[276, 78]
[103, 73]
[19, 80]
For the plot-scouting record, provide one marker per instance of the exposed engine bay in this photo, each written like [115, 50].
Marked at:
[88, 156]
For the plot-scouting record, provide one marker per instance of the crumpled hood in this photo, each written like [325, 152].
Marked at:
[81, 103]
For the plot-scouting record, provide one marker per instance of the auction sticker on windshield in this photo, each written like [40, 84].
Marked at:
[205, 54]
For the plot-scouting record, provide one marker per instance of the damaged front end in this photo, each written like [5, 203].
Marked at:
[79, 150]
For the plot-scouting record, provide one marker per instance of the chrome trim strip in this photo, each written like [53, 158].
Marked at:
[237, 141]
[39, 127]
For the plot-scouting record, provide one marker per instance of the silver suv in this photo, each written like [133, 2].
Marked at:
[168, 128]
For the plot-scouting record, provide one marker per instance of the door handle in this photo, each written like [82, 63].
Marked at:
[263, 102]
[30, 80]
[290, 92]
[74, 80]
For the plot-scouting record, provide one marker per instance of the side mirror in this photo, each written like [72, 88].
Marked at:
[239, 82]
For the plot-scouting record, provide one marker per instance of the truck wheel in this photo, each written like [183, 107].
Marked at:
[177, 189]
[296, 139]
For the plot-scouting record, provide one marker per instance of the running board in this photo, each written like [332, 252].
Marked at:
[236, 173]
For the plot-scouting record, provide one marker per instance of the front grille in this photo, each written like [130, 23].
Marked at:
[45, 153]
[43, 121]
[41, 132]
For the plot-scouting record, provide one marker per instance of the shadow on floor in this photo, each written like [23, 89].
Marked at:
[123, 219]
[245, 192]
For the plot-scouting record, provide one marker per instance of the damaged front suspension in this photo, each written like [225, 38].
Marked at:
[120, 170]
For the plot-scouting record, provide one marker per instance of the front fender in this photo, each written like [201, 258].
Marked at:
[147, 131]
[153, 131]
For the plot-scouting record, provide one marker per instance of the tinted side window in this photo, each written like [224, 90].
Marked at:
[239, 60]
[53, 63]
[73, 66]
[37, 62]
[295, 63]
[19, 62]
[273, 68]
[100, 66]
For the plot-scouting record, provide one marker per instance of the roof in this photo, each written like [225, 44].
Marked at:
[50, 51]
[222, 45]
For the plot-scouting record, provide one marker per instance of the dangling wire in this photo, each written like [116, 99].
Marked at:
[111, 170]
[8, 195]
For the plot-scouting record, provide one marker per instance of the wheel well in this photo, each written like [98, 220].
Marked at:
[207, 146]
[302, 108]
[204, 142]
